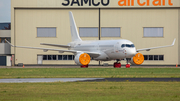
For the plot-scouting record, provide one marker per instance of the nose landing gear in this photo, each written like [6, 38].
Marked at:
[117, 64]
[84, 66]
[127, 65]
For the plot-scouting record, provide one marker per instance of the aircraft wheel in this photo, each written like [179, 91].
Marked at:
[84, 66]
[117, 65]
[128, 66]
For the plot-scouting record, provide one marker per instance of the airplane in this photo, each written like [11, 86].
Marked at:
[100, 50]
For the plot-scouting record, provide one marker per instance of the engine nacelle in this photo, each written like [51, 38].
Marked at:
[82, 59]
[138, 59]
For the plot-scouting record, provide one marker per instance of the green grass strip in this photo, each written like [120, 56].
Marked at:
[89, 72]
[91, 91]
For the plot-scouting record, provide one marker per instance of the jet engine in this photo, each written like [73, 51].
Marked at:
[138, 59]
[82, 59]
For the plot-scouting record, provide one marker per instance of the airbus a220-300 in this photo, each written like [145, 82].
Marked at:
[100, 50]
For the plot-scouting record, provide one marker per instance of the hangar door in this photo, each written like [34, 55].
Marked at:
[2, 60]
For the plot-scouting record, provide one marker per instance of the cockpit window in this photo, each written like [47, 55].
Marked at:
[127, 45]
[123, 45]
[132, 45]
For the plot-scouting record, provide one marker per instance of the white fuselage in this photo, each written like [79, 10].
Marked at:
[108, 49]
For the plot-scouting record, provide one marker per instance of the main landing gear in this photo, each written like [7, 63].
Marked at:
[118, 64]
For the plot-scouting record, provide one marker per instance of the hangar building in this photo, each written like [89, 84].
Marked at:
[147, 23]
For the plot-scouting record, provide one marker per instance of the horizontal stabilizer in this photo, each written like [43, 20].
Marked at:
[56, 45]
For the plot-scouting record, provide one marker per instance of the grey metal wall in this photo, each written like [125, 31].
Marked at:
[5, 33]
[5, 48]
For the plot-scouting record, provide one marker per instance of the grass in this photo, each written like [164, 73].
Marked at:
[91, 91]
[89, 72]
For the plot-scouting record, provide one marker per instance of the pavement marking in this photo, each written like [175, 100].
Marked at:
[36, 80]
[33, 80]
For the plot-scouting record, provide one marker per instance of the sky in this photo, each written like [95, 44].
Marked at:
[5, 11]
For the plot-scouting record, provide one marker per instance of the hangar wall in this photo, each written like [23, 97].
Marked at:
[30, 14]
[132, 22]
[29, 19]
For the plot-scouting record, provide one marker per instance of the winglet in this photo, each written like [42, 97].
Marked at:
[9, 43]
[173, 42]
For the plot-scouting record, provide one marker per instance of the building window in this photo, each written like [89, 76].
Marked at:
[161, 57]
[153, 31]
[2, 40]
[5, 26]
[46, 32]
[65, 57]
[88, 32]
[70, 57]
[150, 57]
[153, 57]
[52, 57]
[110, 32]
[44, 57]
[58, 57]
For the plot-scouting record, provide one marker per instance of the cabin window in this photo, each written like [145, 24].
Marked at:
[46, 32]
[153, 31]
[111, 32]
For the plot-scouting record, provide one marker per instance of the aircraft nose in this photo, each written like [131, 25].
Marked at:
[131, 53]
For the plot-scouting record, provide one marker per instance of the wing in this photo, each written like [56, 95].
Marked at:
[148, 49]
[92, 54]
[56, 45]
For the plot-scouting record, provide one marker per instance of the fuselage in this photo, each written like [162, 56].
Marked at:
[109, 49]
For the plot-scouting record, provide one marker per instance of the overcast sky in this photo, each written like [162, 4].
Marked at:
[5, 10]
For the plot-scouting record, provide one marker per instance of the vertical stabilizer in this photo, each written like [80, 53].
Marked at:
[74, 32]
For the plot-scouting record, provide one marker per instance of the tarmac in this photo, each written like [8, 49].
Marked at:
[93, 66]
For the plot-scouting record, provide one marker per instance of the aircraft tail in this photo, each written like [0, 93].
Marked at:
[74, 31]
